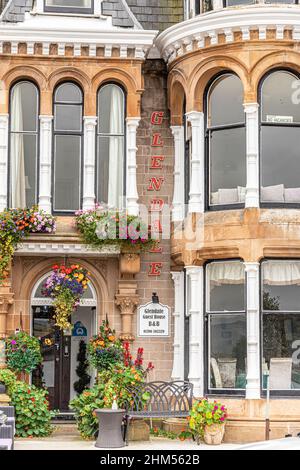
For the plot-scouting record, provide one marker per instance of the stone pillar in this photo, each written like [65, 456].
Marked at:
[6, 300]
[178, 210]
[179, 312]
[252, 155]
[217, 4]
[45, 163]
[3, 160]
[196, 200]
[253, 337]
[196, 337]
[90, 123]
[131, 181]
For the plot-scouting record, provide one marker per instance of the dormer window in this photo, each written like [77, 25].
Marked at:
[69, 6]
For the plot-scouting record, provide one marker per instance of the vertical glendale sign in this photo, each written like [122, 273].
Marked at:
[155, 184]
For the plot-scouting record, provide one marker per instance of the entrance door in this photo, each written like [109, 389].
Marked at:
[54, 373]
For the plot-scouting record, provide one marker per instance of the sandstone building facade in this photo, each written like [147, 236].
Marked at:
[202, 98]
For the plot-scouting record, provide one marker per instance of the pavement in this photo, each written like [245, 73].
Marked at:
[73, 443]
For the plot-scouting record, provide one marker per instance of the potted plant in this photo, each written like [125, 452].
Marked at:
[207, 421]
[23, 352]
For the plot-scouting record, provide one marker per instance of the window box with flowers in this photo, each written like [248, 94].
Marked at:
[15, 226]
[100, 227]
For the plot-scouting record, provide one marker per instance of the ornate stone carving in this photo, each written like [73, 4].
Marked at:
[127, 305]
[130, 263]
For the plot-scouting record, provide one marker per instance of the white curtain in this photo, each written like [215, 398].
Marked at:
[116, 148]
[278, 273]
[18, 180]
[226, 273]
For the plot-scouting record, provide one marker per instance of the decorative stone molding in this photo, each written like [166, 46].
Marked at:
[178, 353]
[3, 159]
[90, 124]
[131, 181]
[127, 305]
[178, 209]
[54, 249]
[252, 155]
[194, 32]
[253, 328]
[196, 200]
[6, 300]
[196, 337]
[130, 263]
[45, 163]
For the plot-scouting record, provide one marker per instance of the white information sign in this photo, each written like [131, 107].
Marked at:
[153, 320]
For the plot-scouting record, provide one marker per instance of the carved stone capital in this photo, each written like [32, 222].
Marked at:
[127, 304]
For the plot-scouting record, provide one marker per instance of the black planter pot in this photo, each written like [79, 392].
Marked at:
[2, 388]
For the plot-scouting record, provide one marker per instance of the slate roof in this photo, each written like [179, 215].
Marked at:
[147, 14]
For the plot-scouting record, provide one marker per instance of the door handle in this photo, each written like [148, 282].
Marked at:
[66, 352]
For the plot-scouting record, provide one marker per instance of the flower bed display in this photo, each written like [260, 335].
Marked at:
[66, 286]
[17, 224]
[100, 226]
[104, 349]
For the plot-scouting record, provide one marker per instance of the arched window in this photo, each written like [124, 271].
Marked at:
[226, 142]
[24, 130]
[110, 145]
[68, 106]
[280, 137]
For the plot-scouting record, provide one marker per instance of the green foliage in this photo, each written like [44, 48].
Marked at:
[81, 369]
[33, 418]
[23, 352]
[206, 413]
[84, 407]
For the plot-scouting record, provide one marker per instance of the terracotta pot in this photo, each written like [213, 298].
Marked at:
[213, 435]
[130, 263]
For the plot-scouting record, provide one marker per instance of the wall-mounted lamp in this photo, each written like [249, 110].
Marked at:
[155, 298]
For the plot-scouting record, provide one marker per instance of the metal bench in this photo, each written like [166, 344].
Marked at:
[164, 400]
[9, 411]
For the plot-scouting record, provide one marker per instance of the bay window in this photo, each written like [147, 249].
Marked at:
[226, 325]
[226, 142]
[281, 324]
[110, 187]
[68, 107]
[280, 136]
[23, 158]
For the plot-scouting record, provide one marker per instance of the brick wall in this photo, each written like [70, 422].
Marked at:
[158, 350]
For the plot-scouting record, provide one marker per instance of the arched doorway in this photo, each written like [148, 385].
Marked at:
[60, 348]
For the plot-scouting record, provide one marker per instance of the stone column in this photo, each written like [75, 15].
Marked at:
[253, 338]
[3, 160]
[195, 312]
[131, 182]
[178, 210]
[90, 123]
[45, 163]
[179, 312]
[196, 200]
[252, 155]
[127, 303]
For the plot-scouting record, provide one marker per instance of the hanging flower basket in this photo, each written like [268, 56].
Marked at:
[66, 286]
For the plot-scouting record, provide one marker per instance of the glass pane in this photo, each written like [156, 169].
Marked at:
[281, 333]
[278, 91]
[281, 285]
[227, 166]
[234, 3]
[69, 3]
[111, 110]
[68, 93]
[23, 170]
[280, 164]
[24, 107]
[227, 351]
[68, 118]
[110, 166]
[226, 287]
[67, 173]
[44, 329]
[226, 99]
